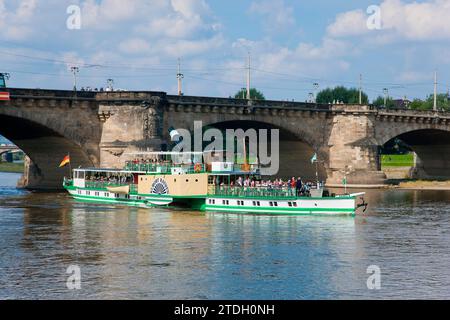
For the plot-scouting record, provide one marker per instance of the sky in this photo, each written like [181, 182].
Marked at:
[393, 44]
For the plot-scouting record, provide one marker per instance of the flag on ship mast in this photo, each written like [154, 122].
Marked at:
[314, 158]
[65, 161]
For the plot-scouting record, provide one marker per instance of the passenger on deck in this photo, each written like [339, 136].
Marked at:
[239, 182]
[298, 186]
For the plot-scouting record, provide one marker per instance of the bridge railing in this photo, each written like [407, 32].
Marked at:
[198, 100]
[44, 93]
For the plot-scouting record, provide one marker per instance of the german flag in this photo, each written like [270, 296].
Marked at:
[65, 161]
[4, 96]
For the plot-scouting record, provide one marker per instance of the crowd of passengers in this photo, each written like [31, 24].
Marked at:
[146, 161]
[292, 185]
[110, 179]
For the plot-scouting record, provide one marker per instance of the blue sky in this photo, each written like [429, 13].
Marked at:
[293, 44]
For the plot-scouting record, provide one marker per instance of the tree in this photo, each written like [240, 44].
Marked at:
[254, 94]
[418, 104]
[443, 102]
[341, 94]
[379, 102]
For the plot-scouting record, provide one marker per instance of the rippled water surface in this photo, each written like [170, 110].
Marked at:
[127, 252]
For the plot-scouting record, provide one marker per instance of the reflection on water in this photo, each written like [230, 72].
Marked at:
[139, 253]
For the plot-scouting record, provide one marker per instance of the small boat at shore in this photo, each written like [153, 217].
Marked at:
[210, 187]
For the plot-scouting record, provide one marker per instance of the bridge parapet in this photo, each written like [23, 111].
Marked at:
[414, 116]
[49, 94]
[127, 97]
[232, 102]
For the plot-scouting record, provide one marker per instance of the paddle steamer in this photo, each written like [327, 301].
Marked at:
[211, 186]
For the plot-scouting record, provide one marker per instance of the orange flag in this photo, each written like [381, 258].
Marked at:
[65, 161]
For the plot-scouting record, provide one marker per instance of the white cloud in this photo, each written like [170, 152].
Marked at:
[305, 60]
[349, 23]
[275, 14]
[413, 76]
[16, 19]
[134, 46]
[417, 21]
[190, 47]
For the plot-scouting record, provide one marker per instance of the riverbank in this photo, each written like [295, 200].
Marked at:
[424, 185]
[11, 167]
[405, 185]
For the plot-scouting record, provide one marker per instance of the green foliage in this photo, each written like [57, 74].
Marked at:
[397, 160]
[11, 167]
[341, 94]
[443, 102]
[418, 104]
[254, 94]
[379, 102]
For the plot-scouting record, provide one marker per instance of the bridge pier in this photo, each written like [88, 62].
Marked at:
[353, 149]
[129, 127]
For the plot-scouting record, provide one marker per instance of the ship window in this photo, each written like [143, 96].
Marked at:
[196, 180]
[174, 180]
[223, 202]
[271, 203]
[187, 180]
[254, 203]
[290, 204]
[228, 202]
[276, 204]
[88, 193]
[259, 204]
[295, 204]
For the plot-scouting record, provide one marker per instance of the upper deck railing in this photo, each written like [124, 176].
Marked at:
[260, 191]
[163, 168]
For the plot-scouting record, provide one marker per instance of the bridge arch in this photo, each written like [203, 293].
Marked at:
[432, 147]
[46, 148]
[296, 148]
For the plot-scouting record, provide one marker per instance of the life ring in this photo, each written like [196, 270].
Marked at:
[198, 167]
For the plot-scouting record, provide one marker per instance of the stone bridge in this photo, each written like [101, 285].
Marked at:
[102, 128]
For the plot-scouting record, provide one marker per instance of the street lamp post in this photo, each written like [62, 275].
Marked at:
[316, 87]
[386, 92]
[75, 71]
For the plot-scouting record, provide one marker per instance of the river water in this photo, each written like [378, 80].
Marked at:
[127, 252]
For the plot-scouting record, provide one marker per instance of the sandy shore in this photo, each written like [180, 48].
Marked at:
[407, 185]
[425, 185]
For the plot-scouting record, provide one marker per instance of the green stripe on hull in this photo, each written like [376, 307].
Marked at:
[112, 201]
[129, 202]
[285, 211]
